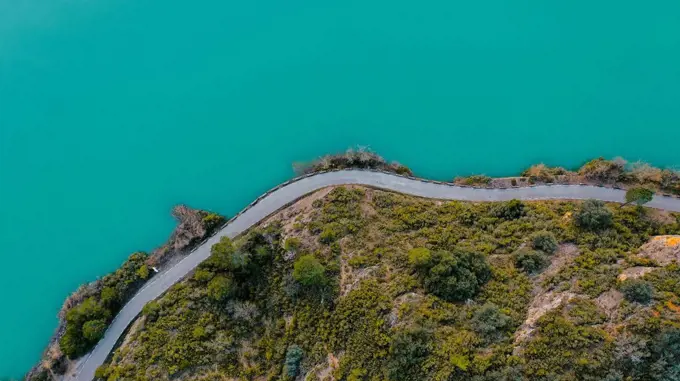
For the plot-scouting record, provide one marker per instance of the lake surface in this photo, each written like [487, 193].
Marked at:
[111, 112]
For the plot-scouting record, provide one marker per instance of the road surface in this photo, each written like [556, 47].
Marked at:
[291, 191]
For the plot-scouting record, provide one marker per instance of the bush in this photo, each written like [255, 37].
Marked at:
[601, 169]
[544, 241]
[488, 320]
[308, 271]
[636, 290]
[479, 180]
[220, 287]
[510, 210]
[419, 257]
[93, 330]
[361, 157]
[530, 261]
[594, 215]
[408, 351]
[293, 357]
[454, 275]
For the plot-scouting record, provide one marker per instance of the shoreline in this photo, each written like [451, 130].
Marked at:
[294, 189]
[493, 185]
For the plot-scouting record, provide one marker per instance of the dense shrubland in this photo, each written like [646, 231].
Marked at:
[363, 284]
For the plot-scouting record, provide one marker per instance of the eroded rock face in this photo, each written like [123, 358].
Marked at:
[191, 229]
[662, 249]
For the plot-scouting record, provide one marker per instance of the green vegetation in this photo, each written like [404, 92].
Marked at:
[372, 285]
[474, 180]
[87, 321]
[544, 241]
[616, 171]
[636, 290]
[309, 271]
[594, 215]
[639, 195]
[361, 157]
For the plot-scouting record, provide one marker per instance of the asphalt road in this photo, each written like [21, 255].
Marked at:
[284, 195]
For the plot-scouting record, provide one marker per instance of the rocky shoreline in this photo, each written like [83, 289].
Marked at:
[193, 226]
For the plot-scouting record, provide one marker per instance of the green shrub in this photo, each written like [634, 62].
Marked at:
[419, 257]
[510, 210]
[489, 320]
[308, 271]
[454, 275]
[531, 261]
[544, 241]
[636, 290]
[220, 287]
[594, 215]
[293, 357]
[93, 330]
[408, 352]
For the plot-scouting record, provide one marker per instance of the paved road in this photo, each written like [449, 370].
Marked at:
[290, 192]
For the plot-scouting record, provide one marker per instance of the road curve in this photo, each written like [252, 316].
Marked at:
[291, 191]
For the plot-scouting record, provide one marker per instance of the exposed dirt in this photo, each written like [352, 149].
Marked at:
[546, 300]
[635, 272]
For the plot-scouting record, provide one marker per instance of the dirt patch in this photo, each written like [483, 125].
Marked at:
[546, 300]
[609, 302]
[635, 272]
[541, 305]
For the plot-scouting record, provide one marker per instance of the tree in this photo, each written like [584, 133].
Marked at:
[639, 196]
[408, 351]
[594, 215]
[636, 290]
[221, 254]
[293, 357]
[453, 276]
[308, 271]
[220, 287]
[544, 241]
[530, 261]
[93, 330]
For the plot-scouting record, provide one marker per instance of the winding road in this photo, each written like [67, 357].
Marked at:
[293, 190]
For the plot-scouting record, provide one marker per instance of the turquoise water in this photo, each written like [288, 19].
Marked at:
[113, 111]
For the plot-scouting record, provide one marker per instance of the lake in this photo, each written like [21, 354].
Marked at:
[111, 112]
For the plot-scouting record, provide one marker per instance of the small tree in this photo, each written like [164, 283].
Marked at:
[419, 257]
[408, 351]
[636, 290]
[544, 241]
[530, 261]
[293, 357]
[93, 330]
[220, 287]
[639, 196]
[308, 271]
[489, 320]
[594, 215]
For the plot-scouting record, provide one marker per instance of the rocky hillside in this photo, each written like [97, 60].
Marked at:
[352, 283]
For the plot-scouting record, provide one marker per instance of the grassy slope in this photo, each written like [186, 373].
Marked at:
[374, 318]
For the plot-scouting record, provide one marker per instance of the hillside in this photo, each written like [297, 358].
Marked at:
[352, 283]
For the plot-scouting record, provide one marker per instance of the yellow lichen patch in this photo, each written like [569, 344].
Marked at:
[668, 240]
[567, 216]
[673, 307]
